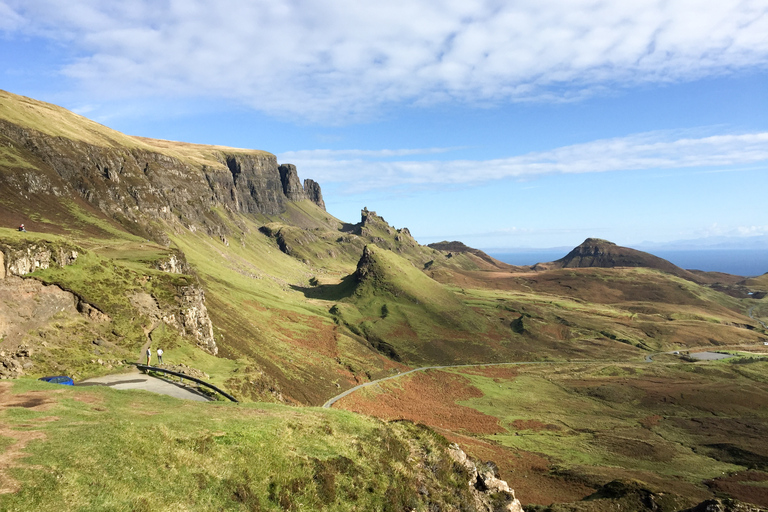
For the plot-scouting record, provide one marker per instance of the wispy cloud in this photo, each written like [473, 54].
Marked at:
[343, 60]
[647, 151]
[338, 154]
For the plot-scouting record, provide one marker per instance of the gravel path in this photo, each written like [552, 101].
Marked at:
[137, 380]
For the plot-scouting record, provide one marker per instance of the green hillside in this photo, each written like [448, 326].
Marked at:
[111, 450]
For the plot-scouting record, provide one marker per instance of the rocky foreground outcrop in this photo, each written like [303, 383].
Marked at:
[491, 493]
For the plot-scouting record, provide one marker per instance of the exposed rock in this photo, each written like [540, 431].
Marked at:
[27, 304]
[174, 264]
[91, 312]
[12, 365]
[186, 370]
[136, 185]
[28, 257]
[313, 193]
[194, 318]
[485, 483]
[724, 505]
[291, 185]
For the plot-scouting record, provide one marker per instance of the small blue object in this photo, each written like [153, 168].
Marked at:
[61, 379]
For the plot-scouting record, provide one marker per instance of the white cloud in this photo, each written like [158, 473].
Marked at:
[647, 151]
[340, 60]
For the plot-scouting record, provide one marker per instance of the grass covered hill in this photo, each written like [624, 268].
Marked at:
[99, 449]
[595, 252]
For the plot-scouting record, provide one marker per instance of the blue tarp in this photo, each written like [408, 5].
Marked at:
[61, 379]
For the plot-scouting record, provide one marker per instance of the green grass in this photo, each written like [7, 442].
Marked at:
[588, 428]
[115, 450]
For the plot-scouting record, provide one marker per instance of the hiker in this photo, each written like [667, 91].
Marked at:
[149, 355]
[22, 228]
[159, 356]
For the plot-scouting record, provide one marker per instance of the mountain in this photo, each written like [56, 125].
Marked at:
[461, 248]
[595, 252]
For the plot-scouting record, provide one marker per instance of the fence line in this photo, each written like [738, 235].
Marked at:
[145, 368]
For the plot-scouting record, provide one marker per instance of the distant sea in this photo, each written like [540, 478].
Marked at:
[740, 262]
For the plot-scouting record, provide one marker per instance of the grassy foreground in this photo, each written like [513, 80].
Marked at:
[101, 449]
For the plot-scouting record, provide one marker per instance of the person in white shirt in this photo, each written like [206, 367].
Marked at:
[159, 356]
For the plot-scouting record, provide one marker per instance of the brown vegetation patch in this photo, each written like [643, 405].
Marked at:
[88, 398]
[748, 486]
[319, 336]
[636, 448]
[534, 425]
[255, 305]
[529, 474]
[13, 452]
[497, 373]
[35, 400]
[650, 421]
[426, 397]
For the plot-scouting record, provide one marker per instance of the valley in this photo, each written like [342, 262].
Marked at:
[226, 260]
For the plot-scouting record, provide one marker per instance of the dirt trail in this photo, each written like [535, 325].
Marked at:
[757, 319]
[37, 401]
[142, 359]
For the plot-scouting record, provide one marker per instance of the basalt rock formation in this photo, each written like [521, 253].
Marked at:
[136, 181]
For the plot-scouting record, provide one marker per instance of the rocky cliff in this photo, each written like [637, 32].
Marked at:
[138, 181]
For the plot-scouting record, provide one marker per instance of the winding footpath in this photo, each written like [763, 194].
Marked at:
[756, 319]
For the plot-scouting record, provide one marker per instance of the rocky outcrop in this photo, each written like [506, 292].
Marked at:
[25, 258]
[291, 185]
[195, 320]
[189, 316]
[313, 193]
[491, 493]
[14, 363]
[174, 264]
[135, 185]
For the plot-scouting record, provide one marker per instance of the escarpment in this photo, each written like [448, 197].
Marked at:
[136, 185]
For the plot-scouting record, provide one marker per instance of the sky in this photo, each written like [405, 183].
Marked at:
[502, 124]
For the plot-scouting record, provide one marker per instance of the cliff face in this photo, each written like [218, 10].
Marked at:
[136, 185]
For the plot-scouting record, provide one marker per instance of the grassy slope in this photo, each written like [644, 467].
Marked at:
[114, 450]
[672, 427]
[60, 122]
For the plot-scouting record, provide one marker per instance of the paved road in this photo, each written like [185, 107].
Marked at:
[136, 380]
[648, 359]
[335, 399]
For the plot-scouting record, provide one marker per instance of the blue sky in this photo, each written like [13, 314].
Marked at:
[500, 124]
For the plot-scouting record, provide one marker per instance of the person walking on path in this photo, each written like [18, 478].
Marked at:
[149, 355]
[159, 356]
